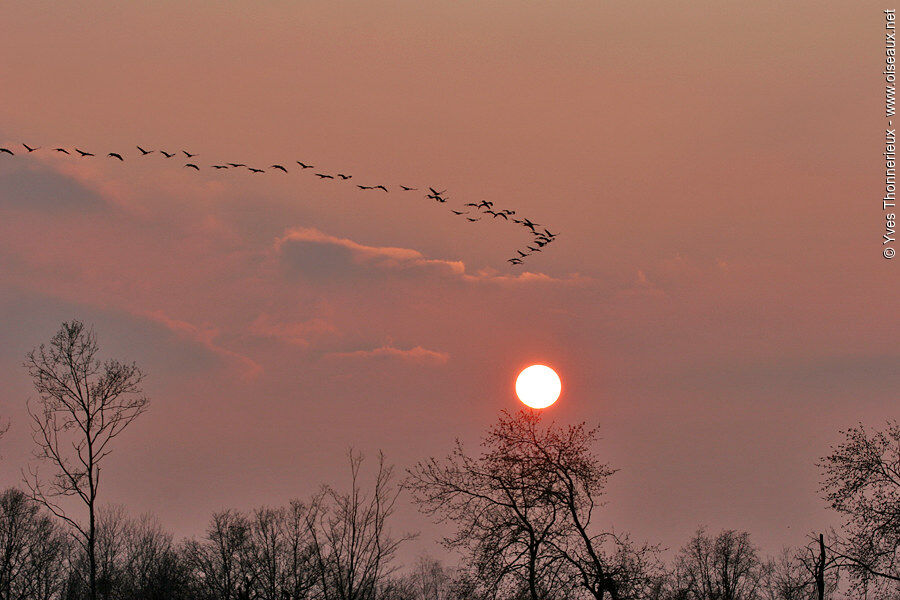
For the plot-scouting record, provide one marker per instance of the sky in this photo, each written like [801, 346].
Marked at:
[716, 301]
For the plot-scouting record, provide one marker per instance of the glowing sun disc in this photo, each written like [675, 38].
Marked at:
[538, 386]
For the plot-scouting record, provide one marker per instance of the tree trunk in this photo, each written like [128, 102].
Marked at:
[92, 552]
[820, 569]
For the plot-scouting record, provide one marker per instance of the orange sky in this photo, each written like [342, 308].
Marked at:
[716, 300]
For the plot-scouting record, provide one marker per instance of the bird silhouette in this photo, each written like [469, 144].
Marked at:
[8, 151]
[486, 204]
[459, 212]
[344, 177]
[324, 176]
[550, 235]
[166, 154]
[409, 189]
[192, 166]
[220, 166]
[515, 261]
[522, 254]
[83, 153]
[114, 155]
[470, 219]
[252, 170]
[380, 187]
[534, 249]
[471, 204]
[279, 167]
[526, 223]
[144, 152]
[236, 165]
[508, 212]
[63, 150]
[188, 154]
[500, 214]
[305, 166]
[366, 187]
[30, 149]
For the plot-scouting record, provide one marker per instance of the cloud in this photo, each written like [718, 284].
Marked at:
[312, 253]
[205, 336]
[417, 354]
[315, 254]
[37, 187]
[295, 333]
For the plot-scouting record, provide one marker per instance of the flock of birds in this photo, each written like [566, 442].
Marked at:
[471, 211]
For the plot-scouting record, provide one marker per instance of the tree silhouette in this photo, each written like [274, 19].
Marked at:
[525, 511]
[83, 405]
[862, 483]
[352, 546]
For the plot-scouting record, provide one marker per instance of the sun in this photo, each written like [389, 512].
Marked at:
[538, 386]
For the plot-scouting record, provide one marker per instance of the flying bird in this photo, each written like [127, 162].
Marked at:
[499, 214]
[144, 152]
[252, 170]
[279, 167]
[515, 261]
[192, 166]
[550, 235]
[236, 165]
[63, 150]
[324, 176]
[344, 177]
[526, 223]
[486, 204]
[30, 149]
[8, 151]
[470, 219]
[409, 189]
[188, 154]
[379, 187]
[522, 254]
[305, 166]
[83, 153]
[114, 155]
[459, 212]
[220, 166]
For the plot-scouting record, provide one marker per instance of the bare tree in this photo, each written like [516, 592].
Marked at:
[431, 580]
[222, 563]
[525, 511]
[862, 483]
[726, 567]
[352, 546]
[83, 405]
[33, 550]
[299, 564]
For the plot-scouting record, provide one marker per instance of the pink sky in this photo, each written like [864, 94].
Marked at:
[716, 300]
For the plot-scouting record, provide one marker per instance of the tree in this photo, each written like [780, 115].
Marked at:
[525, 510]
[222, 563]
[33, 550]
[862, 483]
[352, 547]
[726, 567]
[83, 405]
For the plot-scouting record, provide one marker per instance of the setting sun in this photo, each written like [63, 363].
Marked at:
[538, 386]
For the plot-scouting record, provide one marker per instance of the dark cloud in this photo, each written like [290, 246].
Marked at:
[37, 187]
